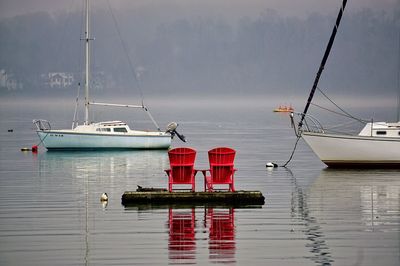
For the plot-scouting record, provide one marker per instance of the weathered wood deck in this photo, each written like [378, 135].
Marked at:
[218, 197]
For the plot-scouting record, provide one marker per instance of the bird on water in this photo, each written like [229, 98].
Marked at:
[104, 197]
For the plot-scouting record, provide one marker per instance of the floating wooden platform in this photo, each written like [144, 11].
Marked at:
[218, 197]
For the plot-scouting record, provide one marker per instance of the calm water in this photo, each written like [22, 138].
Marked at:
[51, 214]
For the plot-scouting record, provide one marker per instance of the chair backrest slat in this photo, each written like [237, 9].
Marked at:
[221, 161]
[182, 166]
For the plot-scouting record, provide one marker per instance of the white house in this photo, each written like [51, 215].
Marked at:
[8, 81]
[60, 79]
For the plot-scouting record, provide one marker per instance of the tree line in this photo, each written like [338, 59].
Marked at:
[264, 54]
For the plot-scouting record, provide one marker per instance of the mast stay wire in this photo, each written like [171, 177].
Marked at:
[126, 52]
[345, 113]
[323, 62]
[75, 119]
[317, 77]
[131, 67]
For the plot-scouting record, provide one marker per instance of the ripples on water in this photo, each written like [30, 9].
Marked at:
[51, 214]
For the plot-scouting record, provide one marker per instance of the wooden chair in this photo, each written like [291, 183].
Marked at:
[221, 168]
[181, 167]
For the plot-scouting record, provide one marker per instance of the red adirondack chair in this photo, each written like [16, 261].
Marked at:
[182, 167]
[221, 168]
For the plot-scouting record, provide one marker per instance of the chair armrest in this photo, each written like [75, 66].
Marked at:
[203, 171]
[168, 171]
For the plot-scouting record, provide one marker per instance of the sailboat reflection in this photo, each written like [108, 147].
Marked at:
[352, 199]
[182, 243]
[113, 164]
[222, 245]
[300, 209]
[373, 196]
[380, 205]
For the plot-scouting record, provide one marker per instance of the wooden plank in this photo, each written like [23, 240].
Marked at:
[218, 197]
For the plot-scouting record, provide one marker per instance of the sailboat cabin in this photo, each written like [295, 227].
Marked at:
[112, 126]
[381, 129]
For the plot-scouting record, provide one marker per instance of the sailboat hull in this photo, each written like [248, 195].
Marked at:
[354, 151]
[68, 140]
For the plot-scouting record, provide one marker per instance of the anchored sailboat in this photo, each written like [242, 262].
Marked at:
[377, 145]
[103, 135]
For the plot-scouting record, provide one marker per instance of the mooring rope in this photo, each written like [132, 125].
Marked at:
[294, 149]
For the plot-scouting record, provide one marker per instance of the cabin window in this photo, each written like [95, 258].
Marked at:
[120, 129]
[381, 132]
[103, 129]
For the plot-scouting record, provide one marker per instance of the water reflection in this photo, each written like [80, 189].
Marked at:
[358, 207]
[317, 243]
[379, 203]
[91, 174]
[113, 163]
[372, 195]
[181, 243]
[221, 226]
[184, 234]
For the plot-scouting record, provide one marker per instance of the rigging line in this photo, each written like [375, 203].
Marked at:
[76, 118]
[126, 52]
[340, 114]
[329, 110]
[62, 41]
[317, 77]
[398, 82]
[41, 140]
[337, 106]
[340, 125]
[323, 62]
[80, 68]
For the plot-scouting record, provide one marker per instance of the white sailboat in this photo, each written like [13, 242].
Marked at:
[103, 135]
[377, 145]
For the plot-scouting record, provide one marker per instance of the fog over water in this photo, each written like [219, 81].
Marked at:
[203, 48]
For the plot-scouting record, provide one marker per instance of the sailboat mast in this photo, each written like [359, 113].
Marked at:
[87, 39]
[323, 62]
[398, 82]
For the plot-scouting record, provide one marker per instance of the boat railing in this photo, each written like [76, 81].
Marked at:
[42, 124]
[310, 124]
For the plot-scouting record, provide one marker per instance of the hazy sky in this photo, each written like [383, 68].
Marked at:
[9, 8]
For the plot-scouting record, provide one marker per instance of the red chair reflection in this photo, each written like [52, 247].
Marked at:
[222, 244]
[221, 168]
[182, 243]
[182, 167]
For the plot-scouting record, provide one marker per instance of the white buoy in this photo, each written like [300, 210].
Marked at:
[104, 197]
[270, 164]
